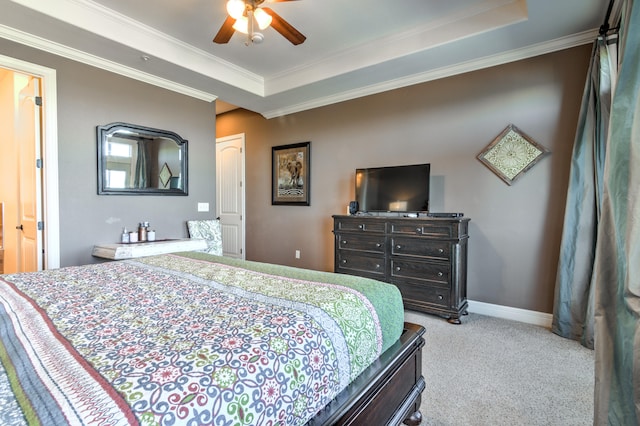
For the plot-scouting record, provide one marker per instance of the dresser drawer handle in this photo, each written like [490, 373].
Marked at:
[439, 274]
[418, 230]
[440, 297]
[397, 268]
[344, 261]
[378, 245]
[441, 250]
[377, 266]
[344, 241]
[398, 246]
[361, 226]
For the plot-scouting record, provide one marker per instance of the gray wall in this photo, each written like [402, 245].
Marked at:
[88, 97]
[514, 230]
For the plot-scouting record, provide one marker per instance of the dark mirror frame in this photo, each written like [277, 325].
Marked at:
[103, 132]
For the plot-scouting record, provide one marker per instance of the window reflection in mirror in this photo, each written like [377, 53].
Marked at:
[134, 159]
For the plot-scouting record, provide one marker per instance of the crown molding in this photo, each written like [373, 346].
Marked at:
[481, 63]
[95, 61]
[111, 25]
[485, 17]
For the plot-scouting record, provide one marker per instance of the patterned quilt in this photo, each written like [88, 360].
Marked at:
[188, 339]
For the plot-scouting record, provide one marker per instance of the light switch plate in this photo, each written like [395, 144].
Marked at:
[203, 207]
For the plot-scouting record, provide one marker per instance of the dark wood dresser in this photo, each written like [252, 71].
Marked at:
[426, 258]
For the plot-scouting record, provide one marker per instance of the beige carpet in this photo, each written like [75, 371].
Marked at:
[491, 371]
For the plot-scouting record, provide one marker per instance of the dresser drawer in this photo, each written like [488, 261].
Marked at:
[356, 224]
[420, 272]
[424, 229]
[362, 263]
[372, 243]
[432, 249]
[422, 295]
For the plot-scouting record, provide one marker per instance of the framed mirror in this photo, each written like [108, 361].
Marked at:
[138, 160]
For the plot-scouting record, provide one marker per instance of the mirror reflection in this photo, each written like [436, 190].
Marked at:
[134, 159]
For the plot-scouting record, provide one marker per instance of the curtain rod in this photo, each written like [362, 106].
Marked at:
[604, 28]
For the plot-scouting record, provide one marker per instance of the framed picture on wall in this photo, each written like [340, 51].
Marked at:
[290, 180]
[511, 154]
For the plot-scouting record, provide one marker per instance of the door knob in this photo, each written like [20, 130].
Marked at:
[19, 227]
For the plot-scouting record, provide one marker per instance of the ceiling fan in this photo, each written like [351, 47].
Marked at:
[244, 15]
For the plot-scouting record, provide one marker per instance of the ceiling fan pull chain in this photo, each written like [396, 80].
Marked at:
[249, 41]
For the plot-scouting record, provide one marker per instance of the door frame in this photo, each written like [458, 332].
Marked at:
[50, 185]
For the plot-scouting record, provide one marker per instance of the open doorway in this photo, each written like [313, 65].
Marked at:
[28, 149]
[20, 172]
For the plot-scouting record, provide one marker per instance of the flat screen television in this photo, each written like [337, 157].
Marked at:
[393, 189]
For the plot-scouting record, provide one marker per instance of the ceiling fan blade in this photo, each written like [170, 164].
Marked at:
[285, 28]
[225, 32]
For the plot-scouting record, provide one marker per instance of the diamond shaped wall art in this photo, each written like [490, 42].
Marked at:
[511, 154]
[165, 175]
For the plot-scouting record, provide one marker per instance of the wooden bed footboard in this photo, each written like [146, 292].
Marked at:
[388, 392]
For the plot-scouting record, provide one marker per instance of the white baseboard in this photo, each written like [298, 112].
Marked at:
[507, 312]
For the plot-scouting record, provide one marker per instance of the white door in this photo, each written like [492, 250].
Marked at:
[28, 137]
[230, 193]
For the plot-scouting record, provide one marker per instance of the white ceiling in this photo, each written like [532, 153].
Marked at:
[354, 47]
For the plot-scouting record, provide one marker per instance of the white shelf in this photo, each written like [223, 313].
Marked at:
[128, 251]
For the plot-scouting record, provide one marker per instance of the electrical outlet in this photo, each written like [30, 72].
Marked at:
[297, 254]
[203, 207]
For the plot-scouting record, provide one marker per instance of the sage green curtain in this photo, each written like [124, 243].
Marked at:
[142, 176]
[617, 257]
[597, 299]
[574, 291]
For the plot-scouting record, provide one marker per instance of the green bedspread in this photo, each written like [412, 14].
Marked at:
[386, 299]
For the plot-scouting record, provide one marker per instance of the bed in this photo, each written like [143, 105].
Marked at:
[192, 338]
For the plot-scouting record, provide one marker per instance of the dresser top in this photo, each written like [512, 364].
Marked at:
[392, 217]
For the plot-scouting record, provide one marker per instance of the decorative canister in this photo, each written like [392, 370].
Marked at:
[142, 232]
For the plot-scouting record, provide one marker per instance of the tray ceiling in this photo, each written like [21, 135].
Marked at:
[354, 48]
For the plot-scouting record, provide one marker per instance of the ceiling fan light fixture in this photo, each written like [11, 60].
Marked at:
[247, 17]
[263, 18]
[235, 8]
[242, 25]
